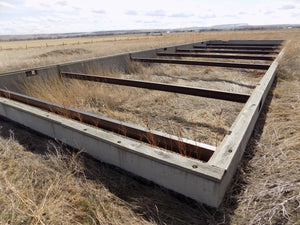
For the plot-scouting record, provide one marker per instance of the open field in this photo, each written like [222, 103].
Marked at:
[45, 52]
[41, 183]
[14, 55]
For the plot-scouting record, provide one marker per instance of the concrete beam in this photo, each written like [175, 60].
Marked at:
[231, 149]
[204, 182]
[186, 176]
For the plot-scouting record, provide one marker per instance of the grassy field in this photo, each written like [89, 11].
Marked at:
[28, 54]
[41, 182]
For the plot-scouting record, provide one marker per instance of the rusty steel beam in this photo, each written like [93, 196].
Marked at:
[265, 52]
[222, 56]
[203, 63]
[237, 47]
[195, 91]
[245, 44]
[170, 142]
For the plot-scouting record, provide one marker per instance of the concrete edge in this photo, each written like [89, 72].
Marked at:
[242, 127]
[92, 59]
[186, 176]
[207, 183]
[120, 62]
[231, 149]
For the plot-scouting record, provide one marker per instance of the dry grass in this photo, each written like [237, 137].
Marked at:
[15, 55]
[195, 118]
[59, 191]
[51, 185]
[265, 189]
[274, 188]
[226, 79]
[270, 169]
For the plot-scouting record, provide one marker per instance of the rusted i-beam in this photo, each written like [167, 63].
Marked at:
[264, 52]
[271, 48]
[222, 56]
[203, 63]
[244, 44]
[195, 91]
[173, 143]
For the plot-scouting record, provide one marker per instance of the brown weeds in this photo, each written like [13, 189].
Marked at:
[58, 191]
[271, 192]
[264, 191]
[139, 106]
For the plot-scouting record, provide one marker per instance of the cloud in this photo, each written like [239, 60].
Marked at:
[53, 19]
[30, 19]
[160, 13]
[62, 3]
[184, 15]
[231, 16]
[131, 12]
[88, 15]
[76, 8]
[147, 22]
[295, 15]
[51, 6]
[5, 4]
[44, 5]
[100, 11]
[207, 16]
[268, 12]
[287, 7]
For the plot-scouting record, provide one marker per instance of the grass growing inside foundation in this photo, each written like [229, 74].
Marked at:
[199, 119]
[265, 189]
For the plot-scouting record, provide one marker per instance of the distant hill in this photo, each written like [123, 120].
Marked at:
[222, 27]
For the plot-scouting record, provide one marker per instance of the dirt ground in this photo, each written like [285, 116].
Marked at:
[43, 183]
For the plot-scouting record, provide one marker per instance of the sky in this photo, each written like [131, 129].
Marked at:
[64, 16]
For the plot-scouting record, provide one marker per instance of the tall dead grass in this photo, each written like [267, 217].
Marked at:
[226, 79]
[22, 58]
[185, 116]
[270, 170]
[17, 56]
[265, 189]
[54, 189]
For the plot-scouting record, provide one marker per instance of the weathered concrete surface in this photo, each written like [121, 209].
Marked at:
[231, 149]
[204, 182]
[13, 81]
[187, 176]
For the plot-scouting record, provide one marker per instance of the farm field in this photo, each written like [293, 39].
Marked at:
[42, 182]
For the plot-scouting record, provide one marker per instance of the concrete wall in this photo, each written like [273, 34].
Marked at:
[187, 176]
[232, 147]
[14, 80]
[204, 182]
[254, 42]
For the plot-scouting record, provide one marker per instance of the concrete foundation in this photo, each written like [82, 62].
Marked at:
[204, 182]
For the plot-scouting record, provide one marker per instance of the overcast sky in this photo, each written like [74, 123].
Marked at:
[61, 16]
